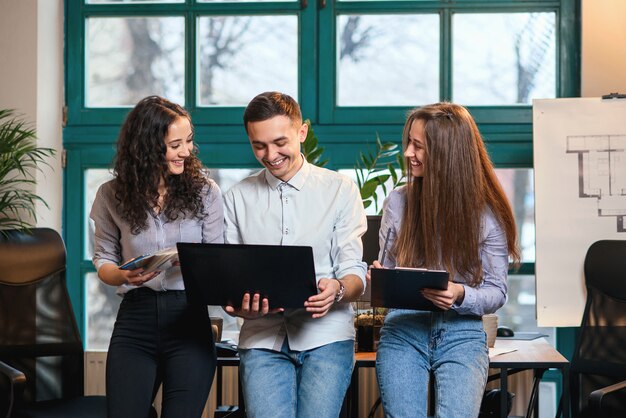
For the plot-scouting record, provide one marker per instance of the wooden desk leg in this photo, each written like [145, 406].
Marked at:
[504, 375]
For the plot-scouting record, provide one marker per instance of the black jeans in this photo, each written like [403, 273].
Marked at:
[158, 338]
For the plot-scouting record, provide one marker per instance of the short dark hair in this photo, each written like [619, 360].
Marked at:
[269, 104]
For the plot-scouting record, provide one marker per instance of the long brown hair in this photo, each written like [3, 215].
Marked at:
[443, 214]
[140, 165]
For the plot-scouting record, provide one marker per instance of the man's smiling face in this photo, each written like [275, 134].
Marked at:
[276, 145]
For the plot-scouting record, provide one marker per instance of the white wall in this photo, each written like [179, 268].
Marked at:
[18, 56]
[31, 59]
[603, 50]
[50, 102]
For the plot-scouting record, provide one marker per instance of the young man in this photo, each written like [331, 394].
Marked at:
[296, 362]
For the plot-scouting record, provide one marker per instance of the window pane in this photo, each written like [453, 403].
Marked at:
[519, 310]
[102, 305]
[131, 58]
[501, 59]
[241, 56]
[228, 177]
[376, 207]
[387, 60]
[94, 177]
[519, 188]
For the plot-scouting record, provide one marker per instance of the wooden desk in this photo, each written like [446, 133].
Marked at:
[537, 355]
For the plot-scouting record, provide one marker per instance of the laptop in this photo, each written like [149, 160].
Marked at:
[401, 287]
[220, 274]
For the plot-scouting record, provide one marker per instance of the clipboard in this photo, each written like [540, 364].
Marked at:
[162, 259]
[220, 274]
[401, 287]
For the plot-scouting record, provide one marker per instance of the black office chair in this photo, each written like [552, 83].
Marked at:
[41, 353]
[598, 368]
[371, 246]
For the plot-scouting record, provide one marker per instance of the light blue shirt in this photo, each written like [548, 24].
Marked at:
[317, 208]
[490, 295]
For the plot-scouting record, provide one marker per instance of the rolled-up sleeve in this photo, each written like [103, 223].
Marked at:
[350, 225]
[106, 232]
[492, 292]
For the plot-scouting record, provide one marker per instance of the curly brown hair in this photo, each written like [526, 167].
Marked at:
[140, 165]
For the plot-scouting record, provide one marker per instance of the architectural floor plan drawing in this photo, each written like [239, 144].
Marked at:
[602, 172]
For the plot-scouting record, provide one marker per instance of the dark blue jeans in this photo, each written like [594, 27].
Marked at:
[158, 338]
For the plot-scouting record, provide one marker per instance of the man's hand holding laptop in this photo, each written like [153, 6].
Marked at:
[252, 308]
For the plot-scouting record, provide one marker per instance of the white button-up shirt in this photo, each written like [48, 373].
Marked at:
[317, 208]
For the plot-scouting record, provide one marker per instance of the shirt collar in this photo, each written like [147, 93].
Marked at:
[297, 181]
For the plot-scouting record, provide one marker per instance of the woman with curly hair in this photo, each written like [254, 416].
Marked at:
[158, 197]
[452, 215]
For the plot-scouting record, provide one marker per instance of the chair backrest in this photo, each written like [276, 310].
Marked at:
[38, 331]
[600, 356]
[370, 239]
[370, 251]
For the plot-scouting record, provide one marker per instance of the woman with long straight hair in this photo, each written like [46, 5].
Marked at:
[160, 195]
[452, 215]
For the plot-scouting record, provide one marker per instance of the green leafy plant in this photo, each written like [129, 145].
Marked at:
[374, 169]
[20, 158]
[311, 149]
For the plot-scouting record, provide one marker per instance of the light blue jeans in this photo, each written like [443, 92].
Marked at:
[454, 347]
[302, 384]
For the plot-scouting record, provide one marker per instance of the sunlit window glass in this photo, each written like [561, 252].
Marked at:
[501, 59]
[241, 56]
[128, 59]
[102, 305]
[519, 188]
[94, 178]
[387, 60]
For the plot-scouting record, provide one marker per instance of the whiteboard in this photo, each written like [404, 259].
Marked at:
[579, 148]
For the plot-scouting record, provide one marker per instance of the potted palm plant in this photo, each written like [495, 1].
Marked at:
[20, 158]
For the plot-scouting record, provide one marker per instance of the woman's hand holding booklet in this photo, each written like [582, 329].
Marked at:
[160, 260]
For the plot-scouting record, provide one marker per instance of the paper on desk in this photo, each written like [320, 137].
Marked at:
[496, 351]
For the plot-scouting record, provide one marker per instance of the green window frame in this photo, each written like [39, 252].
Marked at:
[90, 133]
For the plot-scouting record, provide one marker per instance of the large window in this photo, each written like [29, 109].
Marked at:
[355, 67]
